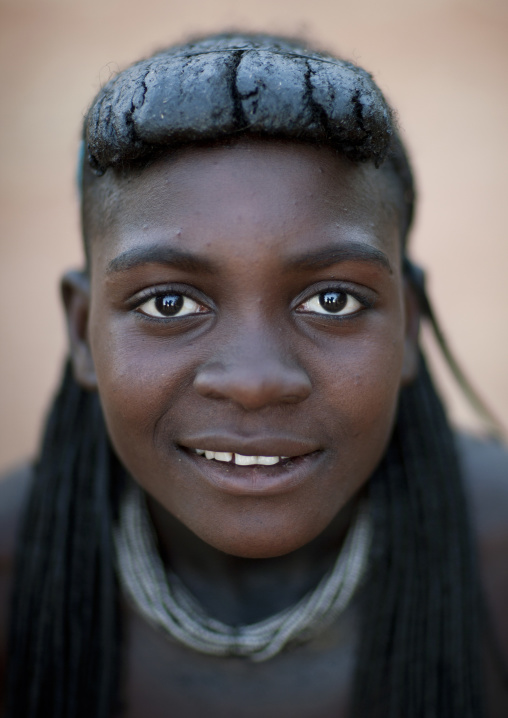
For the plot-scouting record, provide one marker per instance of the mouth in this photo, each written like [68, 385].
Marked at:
[253, 474]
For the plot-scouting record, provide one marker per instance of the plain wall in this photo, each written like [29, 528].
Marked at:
[442, 64]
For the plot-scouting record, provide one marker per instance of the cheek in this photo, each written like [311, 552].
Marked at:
[374, 392]
[362, 377]
[138, 380]
[361, 390]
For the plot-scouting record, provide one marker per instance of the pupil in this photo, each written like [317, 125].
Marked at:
[169, 304]
[333, 301]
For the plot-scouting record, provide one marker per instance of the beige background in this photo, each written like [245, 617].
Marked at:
[442, 63]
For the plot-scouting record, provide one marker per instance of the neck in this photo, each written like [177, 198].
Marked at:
[240, 591]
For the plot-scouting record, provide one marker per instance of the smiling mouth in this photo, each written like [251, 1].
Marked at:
[254, 475]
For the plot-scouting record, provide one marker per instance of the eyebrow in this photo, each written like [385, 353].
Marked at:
[320, 259]
[159, 254]
[328, 256]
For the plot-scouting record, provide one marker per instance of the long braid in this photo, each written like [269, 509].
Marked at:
[65, 628]
[419, 653]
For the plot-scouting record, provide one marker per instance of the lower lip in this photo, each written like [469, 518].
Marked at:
[256, 480]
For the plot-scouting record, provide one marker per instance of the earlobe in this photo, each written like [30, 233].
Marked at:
[411, 347]
[75, 291]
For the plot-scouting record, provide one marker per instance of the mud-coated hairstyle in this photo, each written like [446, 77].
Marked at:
[228, 86]
[419, 651]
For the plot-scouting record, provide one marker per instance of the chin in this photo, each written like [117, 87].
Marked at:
[260, 537]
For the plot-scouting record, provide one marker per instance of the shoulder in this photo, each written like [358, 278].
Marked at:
[13, 491]
[485, 472]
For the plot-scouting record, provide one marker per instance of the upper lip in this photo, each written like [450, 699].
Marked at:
[251, 446]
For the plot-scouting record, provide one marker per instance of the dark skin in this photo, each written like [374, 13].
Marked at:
[255, 361]
[250, 235]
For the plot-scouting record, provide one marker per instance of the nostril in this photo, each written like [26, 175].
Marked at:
[253, 388]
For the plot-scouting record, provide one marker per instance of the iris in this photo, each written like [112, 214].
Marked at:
[333, 301]
[169, 304]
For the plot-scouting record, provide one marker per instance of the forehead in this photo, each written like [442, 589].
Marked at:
[240, 195]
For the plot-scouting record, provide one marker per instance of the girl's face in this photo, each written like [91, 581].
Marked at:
[247, 301]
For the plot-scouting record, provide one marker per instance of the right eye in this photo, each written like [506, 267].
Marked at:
[170, 304]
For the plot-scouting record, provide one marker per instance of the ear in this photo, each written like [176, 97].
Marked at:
[411, 347]
[75, 289]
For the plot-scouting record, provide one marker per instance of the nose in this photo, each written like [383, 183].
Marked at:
[253, 372]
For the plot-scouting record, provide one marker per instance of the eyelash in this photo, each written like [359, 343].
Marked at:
[146, 295]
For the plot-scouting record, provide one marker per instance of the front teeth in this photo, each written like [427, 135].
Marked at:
[219, 455]
[240, 459]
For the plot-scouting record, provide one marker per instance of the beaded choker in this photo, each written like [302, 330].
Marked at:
[161, 598]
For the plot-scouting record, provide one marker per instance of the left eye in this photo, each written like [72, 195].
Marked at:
[331, 302]
[170, 305]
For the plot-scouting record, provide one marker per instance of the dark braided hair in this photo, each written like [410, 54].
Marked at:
[419, 651]
[419, 647]
[65, 625]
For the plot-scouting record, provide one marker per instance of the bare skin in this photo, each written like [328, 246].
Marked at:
[245, 242]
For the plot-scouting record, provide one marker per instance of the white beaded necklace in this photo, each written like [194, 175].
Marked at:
[161, 598]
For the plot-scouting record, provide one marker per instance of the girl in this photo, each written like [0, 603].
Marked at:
[249, 501]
